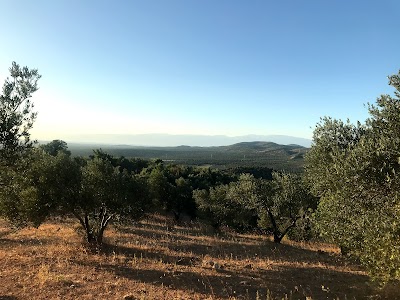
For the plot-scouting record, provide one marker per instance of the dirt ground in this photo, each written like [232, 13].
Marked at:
[152, 260]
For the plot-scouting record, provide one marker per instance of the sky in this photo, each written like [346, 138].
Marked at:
[209, 67]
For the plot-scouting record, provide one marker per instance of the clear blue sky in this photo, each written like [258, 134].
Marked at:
[200, 67]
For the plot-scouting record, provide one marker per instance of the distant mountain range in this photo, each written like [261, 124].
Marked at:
[172, 140]
[243, 154]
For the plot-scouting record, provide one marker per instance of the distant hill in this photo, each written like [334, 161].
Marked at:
[243, 154]
[262, 146]
[171, 140]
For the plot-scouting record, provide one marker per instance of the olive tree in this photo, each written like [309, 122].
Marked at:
[291, 204]
[16, 112]
[279, 203]
[41, 185]
[93, 191]
[56, 146]
[108, 194]
[273, 205]
[355, 169]
[218, 208]
[171, 188]
[16, 119]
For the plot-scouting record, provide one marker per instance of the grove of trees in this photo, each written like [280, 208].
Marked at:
[348, 194]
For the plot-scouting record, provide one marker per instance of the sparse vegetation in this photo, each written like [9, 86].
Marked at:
[153, 260]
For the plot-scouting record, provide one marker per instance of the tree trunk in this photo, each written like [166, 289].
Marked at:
[86, 226]
[89, 232]
[104, 222]
[94, 237]
[176, 216]
[277, 237]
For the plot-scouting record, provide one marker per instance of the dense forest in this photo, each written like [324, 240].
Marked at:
[347, 193]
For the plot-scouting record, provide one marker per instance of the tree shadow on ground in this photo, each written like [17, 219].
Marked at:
[6, 242]
[231, 246]
[224, 283]
[135, 253]
[300, 271]
[182, 264]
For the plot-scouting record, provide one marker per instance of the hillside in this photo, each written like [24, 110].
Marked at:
[156, 260]
[258, 153]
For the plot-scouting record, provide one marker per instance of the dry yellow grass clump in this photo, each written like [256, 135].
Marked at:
[154, 261]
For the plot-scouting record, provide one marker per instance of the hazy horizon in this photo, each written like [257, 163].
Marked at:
[173, 140]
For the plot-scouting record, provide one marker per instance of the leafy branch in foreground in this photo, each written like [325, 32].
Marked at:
[16, 112]
[355, 169]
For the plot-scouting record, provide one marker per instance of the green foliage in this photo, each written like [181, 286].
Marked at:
[172, 186]
[354, 169]
[56, 146]
[16, 119]
[93, 191]
[304, 229]
[219, 209]
[132, 165]
[277, 205]
[282, 204]
[16, 115]
[257, 158]
[160, 186]
[256, 171]
[182, 201]
[41, 184]
[108, 193]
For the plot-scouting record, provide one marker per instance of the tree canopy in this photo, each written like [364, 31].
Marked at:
[56, 146]
[355, 170]
[272, 205]
[16, 119]
[93, 191]
[16, 112]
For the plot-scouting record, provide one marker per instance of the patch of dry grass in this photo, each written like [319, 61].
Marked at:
[154, 261]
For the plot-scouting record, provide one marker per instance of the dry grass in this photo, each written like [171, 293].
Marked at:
[147, 261]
